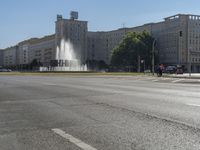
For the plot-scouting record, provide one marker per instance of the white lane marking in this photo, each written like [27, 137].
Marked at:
[73, 140]
[196, 105]
[165, 79]
[155, 80]
[177, 80]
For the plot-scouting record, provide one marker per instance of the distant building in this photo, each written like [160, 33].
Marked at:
[43, 50]
[23, 52]
[177, 38]
[10, 56]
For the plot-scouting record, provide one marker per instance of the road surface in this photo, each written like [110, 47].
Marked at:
[99, 113]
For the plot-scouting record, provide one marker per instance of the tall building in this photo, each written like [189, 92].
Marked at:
[74, 31]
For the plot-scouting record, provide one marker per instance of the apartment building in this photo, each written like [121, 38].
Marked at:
[21, 55]
[10, 56]
[43, 50]
[23, 51]
[177, 38]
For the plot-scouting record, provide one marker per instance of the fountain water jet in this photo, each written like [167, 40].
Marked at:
[66, 59]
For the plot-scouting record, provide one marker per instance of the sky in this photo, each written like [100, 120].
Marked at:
[24, 19]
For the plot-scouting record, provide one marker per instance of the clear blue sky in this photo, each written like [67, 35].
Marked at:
[22, 19]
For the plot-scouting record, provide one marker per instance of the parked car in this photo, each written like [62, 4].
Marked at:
[5, 70]
[179, 70]
[171, 69]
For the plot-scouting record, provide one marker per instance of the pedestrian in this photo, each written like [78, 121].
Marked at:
[160, 70]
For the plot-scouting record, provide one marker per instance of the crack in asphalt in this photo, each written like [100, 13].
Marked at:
[152, 116]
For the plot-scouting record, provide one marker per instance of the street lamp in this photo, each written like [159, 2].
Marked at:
[189, 61]
[153, 56]
[143, 62]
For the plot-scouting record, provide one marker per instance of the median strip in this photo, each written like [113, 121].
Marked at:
[195, 105]
[73, 140]
[175, 81]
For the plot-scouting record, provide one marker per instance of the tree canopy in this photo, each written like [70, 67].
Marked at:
[96, 65]
[133, 46]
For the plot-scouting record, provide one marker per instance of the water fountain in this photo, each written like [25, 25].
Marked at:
[66, 59]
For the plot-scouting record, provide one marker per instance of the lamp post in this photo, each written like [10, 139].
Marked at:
[153, 56]
[189, 62]
[143, 62]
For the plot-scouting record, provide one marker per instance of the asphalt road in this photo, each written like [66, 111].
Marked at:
[99, 113]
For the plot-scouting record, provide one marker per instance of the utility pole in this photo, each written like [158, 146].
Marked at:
[153, 57]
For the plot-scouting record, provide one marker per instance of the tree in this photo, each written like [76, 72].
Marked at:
[133, 47]
[102, 65]
[96, 64]
[35, 63]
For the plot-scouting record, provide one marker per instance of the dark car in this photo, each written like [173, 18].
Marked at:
[171, 69]
[179, 71]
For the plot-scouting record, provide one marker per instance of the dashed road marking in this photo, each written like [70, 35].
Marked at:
[177, 80]
[73, 140]
[155, 80]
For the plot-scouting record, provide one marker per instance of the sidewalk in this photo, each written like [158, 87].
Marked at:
[185, 75]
